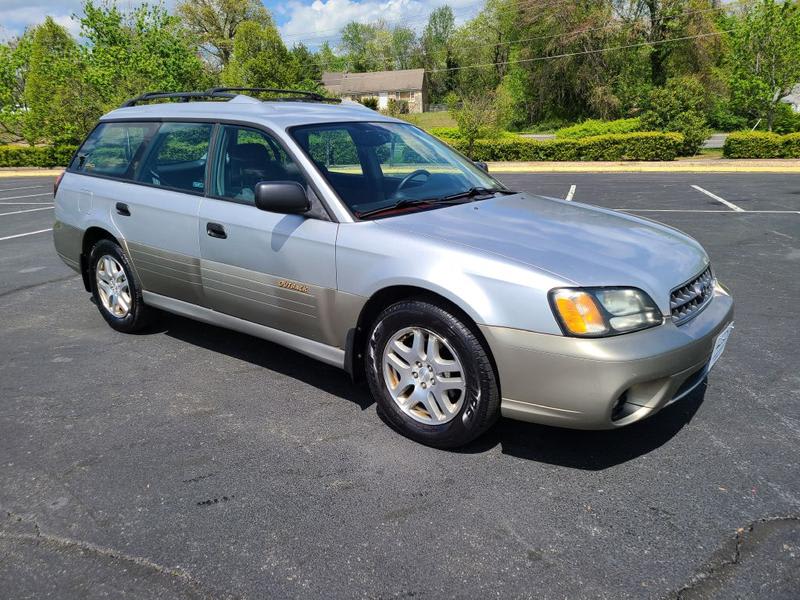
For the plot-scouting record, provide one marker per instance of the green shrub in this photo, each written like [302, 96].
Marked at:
[592, 127]
[791, 145]
[786, 120]
[626, 146]
[753, 144]
[445, 132]
[678, 106]
[397, 107]
[38, 156]
[370, 102]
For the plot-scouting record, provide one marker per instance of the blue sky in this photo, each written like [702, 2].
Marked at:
[310, 21]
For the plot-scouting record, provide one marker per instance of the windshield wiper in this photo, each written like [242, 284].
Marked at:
[404, 203]
[451, 199]
[476, 191]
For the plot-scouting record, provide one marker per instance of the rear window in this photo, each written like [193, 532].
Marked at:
[113, 149]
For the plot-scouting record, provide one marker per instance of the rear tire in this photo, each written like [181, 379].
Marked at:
[431, 375]
[115, 288]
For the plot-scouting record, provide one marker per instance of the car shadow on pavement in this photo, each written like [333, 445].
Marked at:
[590, 450]
[265, 354]
[586, 450]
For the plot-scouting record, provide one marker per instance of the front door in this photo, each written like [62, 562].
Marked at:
[274, 269]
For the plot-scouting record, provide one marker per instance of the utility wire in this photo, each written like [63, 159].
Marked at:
[582, 52]
[565, 54]
[383, 58]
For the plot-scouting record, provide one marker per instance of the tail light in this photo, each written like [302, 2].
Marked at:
[56, 184]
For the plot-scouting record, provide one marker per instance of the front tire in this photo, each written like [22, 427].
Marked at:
[431, 375]
[115, 289]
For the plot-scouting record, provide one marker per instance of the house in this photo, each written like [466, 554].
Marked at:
[408, 85]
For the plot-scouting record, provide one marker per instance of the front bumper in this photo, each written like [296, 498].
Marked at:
[607, 382]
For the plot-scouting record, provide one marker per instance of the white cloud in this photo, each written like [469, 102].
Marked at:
[16, 15]
[322, 20]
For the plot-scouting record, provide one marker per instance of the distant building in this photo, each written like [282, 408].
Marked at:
[793, 99]
[408, 85]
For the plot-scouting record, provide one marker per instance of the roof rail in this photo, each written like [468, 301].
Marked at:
[228, 93]
[182, 96]
[295, 95]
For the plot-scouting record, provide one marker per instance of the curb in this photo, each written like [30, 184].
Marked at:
[686, 166]
[30, 173]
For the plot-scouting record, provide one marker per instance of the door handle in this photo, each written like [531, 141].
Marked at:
[122, 209]
[216, 230]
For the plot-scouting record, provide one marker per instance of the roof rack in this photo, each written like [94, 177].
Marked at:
[294, 95]
[182, 96]
[227, 93]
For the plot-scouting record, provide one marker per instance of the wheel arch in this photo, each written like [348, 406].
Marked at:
[90, 237]
[384, 297]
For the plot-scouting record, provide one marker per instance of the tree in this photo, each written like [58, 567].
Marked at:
[438, 54]
[306, 68]
[51, 72]
[16, 122]
[259, 58]
[134, 52]
[476, 116]
[216, 22]
[376, 47]
[329, 60]
[765, 58]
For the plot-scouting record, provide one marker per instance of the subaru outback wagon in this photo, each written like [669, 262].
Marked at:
[361, 241]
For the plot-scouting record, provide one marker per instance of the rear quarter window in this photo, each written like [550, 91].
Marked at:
[113, 149]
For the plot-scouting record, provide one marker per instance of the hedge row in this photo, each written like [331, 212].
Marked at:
[593, 127]
[35, 156]
[761, 144]
[624, 146]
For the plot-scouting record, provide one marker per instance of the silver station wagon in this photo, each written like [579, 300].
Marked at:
[361, 241]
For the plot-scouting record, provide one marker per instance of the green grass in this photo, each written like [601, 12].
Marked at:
[430, 119]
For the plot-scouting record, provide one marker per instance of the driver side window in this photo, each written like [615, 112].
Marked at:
[247, 157]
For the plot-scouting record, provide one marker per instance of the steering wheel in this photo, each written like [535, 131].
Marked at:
[411, 176]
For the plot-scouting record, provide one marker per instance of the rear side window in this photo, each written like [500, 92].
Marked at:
[177, 157]
[113, 149]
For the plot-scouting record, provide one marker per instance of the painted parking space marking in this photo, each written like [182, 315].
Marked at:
[27, 196]
[730, 205]
[26, 187]
[714, 212]
[27, 210]
[570, 193]
[19, 235]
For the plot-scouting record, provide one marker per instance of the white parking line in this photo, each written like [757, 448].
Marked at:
[19, 235]
[27, 187]
[717, 212]
[28, 196]
[570, 193]
[730, 205]
[27, 210]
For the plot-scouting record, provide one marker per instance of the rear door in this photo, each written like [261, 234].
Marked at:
[160, 214]
[274, 269]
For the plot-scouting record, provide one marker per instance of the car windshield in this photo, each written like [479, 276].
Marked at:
[376, 167]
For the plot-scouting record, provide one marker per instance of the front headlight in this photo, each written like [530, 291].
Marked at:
[597, 312]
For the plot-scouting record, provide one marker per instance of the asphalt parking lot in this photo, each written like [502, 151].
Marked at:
[192, 462]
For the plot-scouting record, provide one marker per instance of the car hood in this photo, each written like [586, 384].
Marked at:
[582, 244]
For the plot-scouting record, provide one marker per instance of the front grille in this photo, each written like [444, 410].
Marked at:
[689, 299]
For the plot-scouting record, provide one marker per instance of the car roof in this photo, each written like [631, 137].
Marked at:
[275, 114]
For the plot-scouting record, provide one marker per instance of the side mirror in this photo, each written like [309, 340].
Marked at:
[481, 165]
[288, 197]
